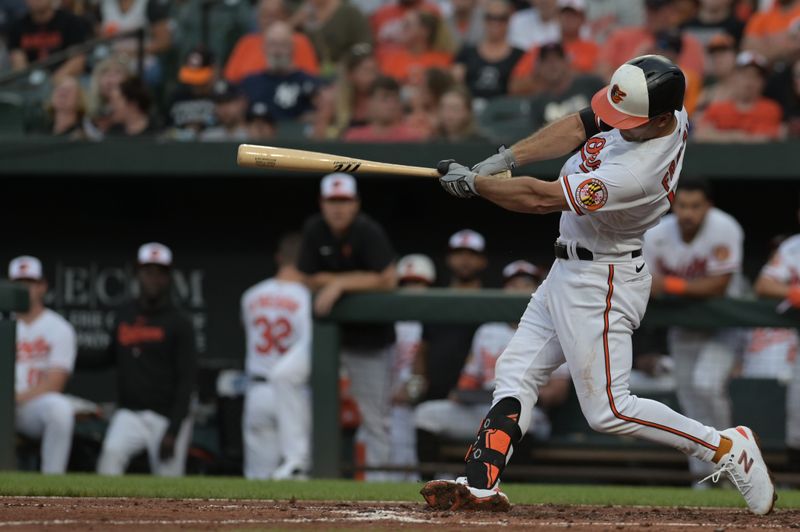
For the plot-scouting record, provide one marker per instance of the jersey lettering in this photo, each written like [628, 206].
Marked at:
[273, 335]
[669, 181]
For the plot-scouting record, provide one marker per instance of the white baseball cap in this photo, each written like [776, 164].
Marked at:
[416, 268]
[155, 253]
[521, 267]
[468, 239]
[576, 5]
[338, 186]
[639, 90]
[25, 267]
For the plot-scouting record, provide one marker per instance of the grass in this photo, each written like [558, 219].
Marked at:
[87, 485]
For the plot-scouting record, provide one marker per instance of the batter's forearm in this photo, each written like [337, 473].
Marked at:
[552, 141]
[523, 194]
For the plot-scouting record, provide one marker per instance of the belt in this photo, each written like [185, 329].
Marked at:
[560, 251]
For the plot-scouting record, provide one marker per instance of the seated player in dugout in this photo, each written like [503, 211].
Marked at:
[615, 187]
[153, 348]
[457, 416]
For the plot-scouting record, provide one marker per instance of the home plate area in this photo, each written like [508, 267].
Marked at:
[62, 513]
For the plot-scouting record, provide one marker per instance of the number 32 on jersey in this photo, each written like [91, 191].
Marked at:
[273, 335]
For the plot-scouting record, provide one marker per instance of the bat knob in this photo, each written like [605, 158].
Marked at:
[444, 166]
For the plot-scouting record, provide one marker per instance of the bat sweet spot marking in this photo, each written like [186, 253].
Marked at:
[265, 161]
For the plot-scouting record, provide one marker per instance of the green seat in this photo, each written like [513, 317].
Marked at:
[12, 118]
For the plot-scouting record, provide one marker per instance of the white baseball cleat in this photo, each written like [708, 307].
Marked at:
[746, 469]
[459, 495]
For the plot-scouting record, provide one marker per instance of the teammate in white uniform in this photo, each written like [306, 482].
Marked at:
[46, 348]
[414, 272]
[781, 278]
[617, 186]
[276, 314]
[696, 252]
[457, 416]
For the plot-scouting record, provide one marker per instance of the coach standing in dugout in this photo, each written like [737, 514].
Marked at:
[346, 251]
[153, 348]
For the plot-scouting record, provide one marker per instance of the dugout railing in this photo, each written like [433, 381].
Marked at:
[446, 306]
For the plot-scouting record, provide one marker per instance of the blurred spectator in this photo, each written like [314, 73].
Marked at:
[423, 100]
[44, 31]
[276, 423]
[715, 17]
[230, 107]
[389, 22]
[67, 108]
[227, 22]
[445, 346]
[153, 348]
[626, 43]
[789, 98]
[46, 348]
[770, 354]
[386, 121]
[604, 16]
[288, 91]
[455, 118]
[351, 92]
[486, 68]
[558, 89]
[10, 12]
[780, 278]
[407, 63]
[669, 43]
[415, 272]
[775, 33]
[747, 116]
[581, 52]
[466, 21]
[250, 55]
[458, 415]
[535, 25]
[106, 76]
[346, 251]
[119, 16]
[719, 82]
[696, 253]
[191, 108]
[334, 27]
[130, 110]
[260, 123]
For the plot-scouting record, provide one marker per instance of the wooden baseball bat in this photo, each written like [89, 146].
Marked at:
[268, 157]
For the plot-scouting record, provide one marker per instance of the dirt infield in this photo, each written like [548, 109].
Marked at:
[67, 514]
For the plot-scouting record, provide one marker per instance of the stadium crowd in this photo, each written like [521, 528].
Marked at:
[393, 70]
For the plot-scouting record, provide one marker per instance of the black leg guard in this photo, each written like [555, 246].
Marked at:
[499, 432]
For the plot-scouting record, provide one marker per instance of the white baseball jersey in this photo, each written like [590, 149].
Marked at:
[277, 320]
[47, 343]
[715, 250]
[408, 335]
[488, 343]
[770, 354]
[625, 186]
[784, 266]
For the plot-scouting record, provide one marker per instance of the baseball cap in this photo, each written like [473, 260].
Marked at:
[154, 253]
[25, 267]
[198, 69]
[720, 41]
[224, 92]
[639, 90]
[575, 5]
[748, 59]
[338, 185]
[467, 239]
[260, 111]
[416, 267]
[521, 267]
[656, 4]
[552, 48]
[669, 41]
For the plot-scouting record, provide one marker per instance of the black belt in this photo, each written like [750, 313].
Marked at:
[560, 251]
[259, 378]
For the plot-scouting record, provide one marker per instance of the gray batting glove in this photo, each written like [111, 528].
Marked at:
[499, 162]
[457, 179]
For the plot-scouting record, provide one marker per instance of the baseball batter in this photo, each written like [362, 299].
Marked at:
[781, 278]
[618, 184]
[46, 349]
[276, 314]
[696, 252]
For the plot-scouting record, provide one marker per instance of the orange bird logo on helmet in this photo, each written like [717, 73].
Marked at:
[616, 94]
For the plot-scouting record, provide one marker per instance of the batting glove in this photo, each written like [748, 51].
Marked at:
[457, 179]
[501, 161]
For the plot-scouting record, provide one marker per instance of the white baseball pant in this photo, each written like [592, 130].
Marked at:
[403, 436]
[50, 417]
[131, 432]
[370, 384]
[460, 421]
[793, 408]
[276, 428]
[585, 313]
